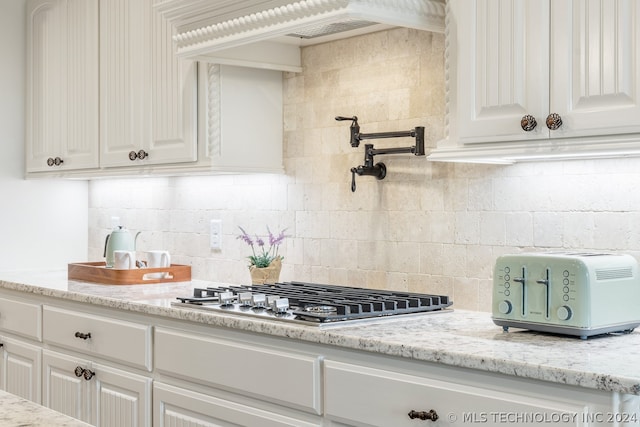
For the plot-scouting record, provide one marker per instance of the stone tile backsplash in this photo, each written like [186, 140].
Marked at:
[427, 227]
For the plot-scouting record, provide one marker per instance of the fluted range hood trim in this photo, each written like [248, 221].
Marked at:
[203, 27]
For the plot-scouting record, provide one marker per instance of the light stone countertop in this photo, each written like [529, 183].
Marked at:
[16, 411]
[456, 338]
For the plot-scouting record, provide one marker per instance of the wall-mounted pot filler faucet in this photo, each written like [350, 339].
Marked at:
[379, 170]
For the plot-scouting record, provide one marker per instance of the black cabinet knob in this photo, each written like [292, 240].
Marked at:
[528, 123]
[554, 121]
[54, 162]
[87, 374]
[139, 155]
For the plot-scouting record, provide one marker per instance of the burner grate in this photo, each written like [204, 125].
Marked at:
[313, 302]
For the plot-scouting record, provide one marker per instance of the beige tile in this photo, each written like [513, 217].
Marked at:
[428, 227]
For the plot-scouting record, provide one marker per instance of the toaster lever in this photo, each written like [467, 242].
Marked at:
[523, 305]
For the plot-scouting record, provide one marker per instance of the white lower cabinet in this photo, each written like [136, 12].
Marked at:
[21, 369]
[357, 395]
[95, 393]
[178, 407]
[114, 368]
[76, 381]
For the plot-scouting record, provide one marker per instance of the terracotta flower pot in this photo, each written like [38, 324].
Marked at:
[270, 274]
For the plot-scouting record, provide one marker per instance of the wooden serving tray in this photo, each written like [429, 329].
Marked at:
[96, 272]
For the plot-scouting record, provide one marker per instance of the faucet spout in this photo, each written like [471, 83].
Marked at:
[379, 170]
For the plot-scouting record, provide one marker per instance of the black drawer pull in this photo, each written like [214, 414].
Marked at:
[83, 335]
[422, 415]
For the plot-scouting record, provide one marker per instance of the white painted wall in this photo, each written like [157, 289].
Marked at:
[43, 224]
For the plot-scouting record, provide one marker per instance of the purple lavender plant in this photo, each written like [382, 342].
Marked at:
[265, 254]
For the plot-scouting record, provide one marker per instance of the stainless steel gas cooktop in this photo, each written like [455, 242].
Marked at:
[312, 303]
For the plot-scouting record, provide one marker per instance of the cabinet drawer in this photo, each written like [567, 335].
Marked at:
[361, 395]
[118, 340]
[173, 406]
[21, 318]
[285, 378]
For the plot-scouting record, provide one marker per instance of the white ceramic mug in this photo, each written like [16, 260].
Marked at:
[158, 259]
[124, 260]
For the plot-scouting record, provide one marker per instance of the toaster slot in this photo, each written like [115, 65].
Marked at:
[523, 280]
[545, 282]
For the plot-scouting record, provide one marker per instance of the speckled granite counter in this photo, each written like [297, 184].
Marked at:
[458, 338]
[16, 411]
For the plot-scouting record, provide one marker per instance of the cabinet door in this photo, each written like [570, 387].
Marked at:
[595, 67]
[241, 112]
[20, 371]
[501, 55]
[177, 407]
[122, 399]
[63, 391]
[62, 84]
[148, 98]
[109, 398]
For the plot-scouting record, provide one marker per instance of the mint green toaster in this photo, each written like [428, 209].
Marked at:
[572, 293]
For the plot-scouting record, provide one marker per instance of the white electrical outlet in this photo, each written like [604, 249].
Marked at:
[115, 221]
[215, 234]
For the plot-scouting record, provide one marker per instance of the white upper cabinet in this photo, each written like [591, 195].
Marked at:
[537, 79]
[504, 69]
[62, 94]
[595, 66]
[148, 98]
[107, 96]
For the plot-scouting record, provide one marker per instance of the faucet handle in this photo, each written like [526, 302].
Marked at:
[353, 179]
[354, 129]
[379, 171]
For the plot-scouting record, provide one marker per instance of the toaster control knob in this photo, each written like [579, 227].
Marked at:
[564, 312]
[504, 307]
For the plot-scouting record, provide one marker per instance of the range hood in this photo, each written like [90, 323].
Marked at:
[269, 33]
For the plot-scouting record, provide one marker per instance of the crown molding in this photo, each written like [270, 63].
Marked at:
[203, 27]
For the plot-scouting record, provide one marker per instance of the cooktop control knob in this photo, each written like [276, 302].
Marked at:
[564, 312]
[505, 307]
[258, 300]
[244, 298]
[280, 306]
[226, 298]
[271, 299]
